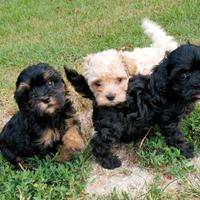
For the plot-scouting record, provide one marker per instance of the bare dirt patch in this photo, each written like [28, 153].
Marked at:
[7, 114]
[132, 178]
[128, 178]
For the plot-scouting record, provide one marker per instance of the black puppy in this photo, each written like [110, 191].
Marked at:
[109, 122]
[162, 98]
[46, 120]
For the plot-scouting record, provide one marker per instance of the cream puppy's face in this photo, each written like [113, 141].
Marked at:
[107, 74]
[110, 89]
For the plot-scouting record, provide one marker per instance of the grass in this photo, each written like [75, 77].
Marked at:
[63, 32]
[156, 154]
[157, 190]
[48, 180]
[115, 195]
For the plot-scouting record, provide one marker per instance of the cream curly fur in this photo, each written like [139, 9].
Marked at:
[147, 58]
[107, 72]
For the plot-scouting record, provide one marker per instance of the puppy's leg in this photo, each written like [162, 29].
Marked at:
[102, 143]
[72, 141]
[109, 129]
[17, 161]
[174, 137]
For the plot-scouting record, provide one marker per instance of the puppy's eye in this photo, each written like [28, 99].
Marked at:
[97, 84]
[119, 80]
[50, 83]
[184, 76]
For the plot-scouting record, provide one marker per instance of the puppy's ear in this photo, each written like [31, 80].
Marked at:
[129, 63]
[79, 83]
[22, 94]
[160, 76]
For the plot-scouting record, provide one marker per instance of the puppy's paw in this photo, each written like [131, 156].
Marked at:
[23, 165]
[62, 157]
[111, 162]
[187, 149]
[73, 142]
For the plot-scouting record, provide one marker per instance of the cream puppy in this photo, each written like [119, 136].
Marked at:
[107, 72]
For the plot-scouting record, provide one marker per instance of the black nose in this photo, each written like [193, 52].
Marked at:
[110, 97]
[45, 99]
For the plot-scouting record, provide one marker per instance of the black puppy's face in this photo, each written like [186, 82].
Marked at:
[40, 89]
[183, 69]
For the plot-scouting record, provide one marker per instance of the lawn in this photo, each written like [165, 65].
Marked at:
[63, 32]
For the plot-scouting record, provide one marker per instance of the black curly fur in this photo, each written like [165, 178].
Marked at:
[166, 96]
[19, 138]
[109, 122]
[162, 98]
[79, 83]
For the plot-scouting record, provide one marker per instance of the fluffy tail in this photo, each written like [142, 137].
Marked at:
[158, 36]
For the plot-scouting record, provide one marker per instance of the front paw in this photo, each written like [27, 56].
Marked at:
[73, 141]
[111, 162]
[187, 149]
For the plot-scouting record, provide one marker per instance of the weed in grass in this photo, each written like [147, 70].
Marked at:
[191, 127]
[190, 188]
[114, 195]
[156, 191]
[157, 155]
[160, 157]
[48, 180]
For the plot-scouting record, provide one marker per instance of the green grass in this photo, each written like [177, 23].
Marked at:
[157, 155]
[189, 190]
[156, 190]
[63, 32]
[114, 195]
[48, 180]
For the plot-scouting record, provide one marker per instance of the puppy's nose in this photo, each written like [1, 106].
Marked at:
[110, 97]
[45, 99]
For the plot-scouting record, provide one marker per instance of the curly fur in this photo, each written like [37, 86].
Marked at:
[107, 75]
[147, 57]
[109, 122]
[107, 72]
[44, 118]
[162, 98]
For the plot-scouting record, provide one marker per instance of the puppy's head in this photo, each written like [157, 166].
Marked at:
[180, 72]
[107, 74]
[40, 89]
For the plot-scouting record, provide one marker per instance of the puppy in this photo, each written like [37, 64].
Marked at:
[105, 81]
[162, 98]
[107, 120]
[46, 120]
[107, 73]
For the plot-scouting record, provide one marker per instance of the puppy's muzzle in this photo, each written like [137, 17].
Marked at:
[110, 97]
[45, 99]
